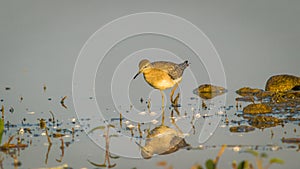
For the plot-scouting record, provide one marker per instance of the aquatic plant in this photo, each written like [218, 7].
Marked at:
[245, 164]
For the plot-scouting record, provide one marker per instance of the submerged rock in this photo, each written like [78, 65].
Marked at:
[264, 94]
[257, 108]
[208, 91]
[262, 122]
[162, 140]
[247, 91]
[254, 96]
[241, 129]
[282, 83]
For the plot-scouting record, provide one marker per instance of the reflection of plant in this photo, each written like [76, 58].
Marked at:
[7, 146]
[245, 164]
[107, 152]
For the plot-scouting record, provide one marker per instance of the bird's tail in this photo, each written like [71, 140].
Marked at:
[184, 65]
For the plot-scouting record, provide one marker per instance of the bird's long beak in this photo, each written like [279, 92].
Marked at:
[136, 74]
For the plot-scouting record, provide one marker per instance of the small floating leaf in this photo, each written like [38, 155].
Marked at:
[44, 88]
[243, 165]
[290, 140]
[210, 164]
[58, 135]
[62, 102]
[276, 160]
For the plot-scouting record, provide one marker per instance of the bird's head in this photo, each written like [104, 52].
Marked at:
[143, 65]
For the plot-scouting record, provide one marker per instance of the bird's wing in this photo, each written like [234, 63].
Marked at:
[171, 68]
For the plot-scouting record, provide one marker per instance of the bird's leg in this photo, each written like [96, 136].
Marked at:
[175, 101]
[163, 117]
[162, 107]
[162, 99]
[172, 93]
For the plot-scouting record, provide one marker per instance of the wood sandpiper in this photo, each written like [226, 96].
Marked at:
[162, 75]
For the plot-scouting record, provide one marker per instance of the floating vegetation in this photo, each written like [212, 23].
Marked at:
[291, 140]
[7, 88]
[241, 129]
[262, 122]
[11, 109]
[247, 91]
[244, 164]
[42, 123]
[7, 145]
[44, 87]
[279, 100]
[258, 160]
[210, 163]
[58, 135]
[208, 91]
[25, 134]
[62, 102]
[259, 108]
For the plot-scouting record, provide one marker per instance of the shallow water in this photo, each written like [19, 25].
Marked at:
[78, 150]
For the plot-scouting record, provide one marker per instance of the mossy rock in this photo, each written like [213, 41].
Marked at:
[282, 83]
[247, 91]
[208, 91]
[258, 108]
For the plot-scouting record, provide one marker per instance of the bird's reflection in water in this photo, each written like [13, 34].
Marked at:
[163, 140]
